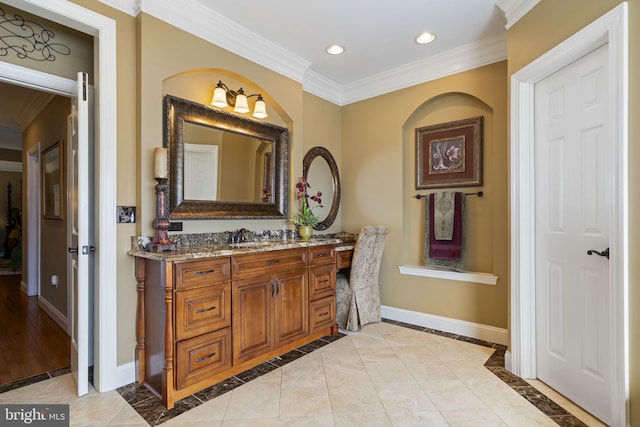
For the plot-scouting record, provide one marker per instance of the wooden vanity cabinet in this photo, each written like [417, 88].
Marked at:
[270, 301]
[322, 288]
[201, 321]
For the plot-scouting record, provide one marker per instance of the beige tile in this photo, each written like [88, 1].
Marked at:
[96, 410]
[550, 393]
[355, 399]
[484, 417]
[525, 416]
[362, 420]
[418, 419]
[364, 340]
[431, 370]
[414, 354]
[127, 416]
[494, 392]
[305, 402]
[346, 372]
[321, 420]
[303, 376]
[403, 397]
[469, 369]
[388, 372]
[259, 398]
[259, 422]
[211, 412]
[451, 395]
[378, 355]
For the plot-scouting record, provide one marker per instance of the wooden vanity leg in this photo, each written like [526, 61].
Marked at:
[167, 375]
[140, 352]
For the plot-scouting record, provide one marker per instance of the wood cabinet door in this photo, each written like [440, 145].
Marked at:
[252, 321]
[291, 307]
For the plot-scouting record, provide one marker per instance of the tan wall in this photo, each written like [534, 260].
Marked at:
[378, 167]
[547, 25]
[49, 127]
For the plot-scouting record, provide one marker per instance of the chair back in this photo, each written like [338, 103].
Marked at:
[367, 256]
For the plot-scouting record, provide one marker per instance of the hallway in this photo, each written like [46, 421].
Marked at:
[31, 343]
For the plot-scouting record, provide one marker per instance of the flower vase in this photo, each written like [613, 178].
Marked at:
[305, 231]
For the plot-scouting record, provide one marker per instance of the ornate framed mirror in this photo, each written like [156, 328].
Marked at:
[321, 172]
[222, 165]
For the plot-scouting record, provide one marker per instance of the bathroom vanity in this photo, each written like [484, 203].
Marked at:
[206, 314]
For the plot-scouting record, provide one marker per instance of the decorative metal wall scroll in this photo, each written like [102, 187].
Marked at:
[28, 39]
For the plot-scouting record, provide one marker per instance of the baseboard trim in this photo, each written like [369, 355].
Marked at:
[446, 324]
[125, 374]
[54, 313]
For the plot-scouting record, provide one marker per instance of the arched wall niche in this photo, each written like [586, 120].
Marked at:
[479, 227]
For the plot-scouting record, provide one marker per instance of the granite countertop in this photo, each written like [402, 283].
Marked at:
[228, 249]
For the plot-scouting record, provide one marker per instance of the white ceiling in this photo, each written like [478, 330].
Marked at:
[289, 37]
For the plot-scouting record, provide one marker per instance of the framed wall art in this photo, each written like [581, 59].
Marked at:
[52, 181]
[449, 154]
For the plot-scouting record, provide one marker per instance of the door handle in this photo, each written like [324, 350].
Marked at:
[604, 253]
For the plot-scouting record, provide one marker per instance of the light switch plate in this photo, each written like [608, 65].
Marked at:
[125, 214]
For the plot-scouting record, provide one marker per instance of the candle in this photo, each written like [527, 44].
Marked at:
[160, 163]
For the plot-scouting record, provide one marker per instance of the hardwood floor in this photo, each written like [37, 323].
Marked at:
[30, 341]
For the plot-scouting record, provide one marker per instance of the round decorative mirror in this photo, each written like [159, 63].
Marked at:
[321, 172]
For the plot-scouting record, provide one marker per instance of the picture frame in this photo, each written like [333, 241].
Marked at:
[53, 192]
[449, 154]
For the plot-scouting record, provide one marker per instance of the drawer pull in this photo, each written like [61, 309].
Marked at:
[200, 359]
[326, 313]
[272, 261]
[198, 273]
[320, 255]
[204, 310]
[323, 281]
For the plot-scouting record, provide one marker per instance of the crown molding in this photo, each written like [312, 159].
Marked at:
[473, 55]
[221, 31]
[130, 7]
[514, 10]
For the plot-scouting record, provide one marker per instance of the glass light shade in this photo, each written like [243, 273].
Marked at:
[242, 106]
[260, 109]
[219, 98]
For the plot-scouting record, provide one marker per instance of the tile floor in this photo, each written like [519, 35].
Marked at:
[388, 374]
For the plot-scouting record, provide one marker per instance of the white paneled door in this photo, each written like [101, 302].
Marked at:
[572, 191]
[80, 199]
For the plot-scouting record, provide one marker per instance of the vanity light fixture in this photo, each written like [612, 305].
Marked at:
[425, 38]
[224, 97]
[334, 49]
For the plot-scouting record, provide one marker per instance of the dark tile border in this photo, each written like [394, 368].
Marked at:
[149, 406]
[34, 379]
[495, 364]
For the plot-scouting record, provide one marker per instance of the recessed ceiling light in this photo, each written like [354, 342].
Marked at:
[334, 49]
[425, 38]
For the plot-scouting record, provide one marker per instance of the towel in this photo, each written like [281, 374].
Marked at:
[443, 214]
[444, 253]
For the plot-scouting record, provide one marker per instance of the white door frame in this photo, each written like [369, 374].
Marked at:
[103, 29]
[610, 29]
[32, 285]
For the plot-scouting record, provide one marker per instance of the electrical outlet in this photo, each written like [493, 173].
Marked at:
[54, 280]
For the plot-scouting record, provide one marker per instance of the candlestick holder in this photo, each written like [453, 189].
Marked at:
[161, 242]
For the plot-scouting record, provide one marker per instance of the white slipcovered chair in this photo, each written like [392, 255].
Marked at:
[358, 294]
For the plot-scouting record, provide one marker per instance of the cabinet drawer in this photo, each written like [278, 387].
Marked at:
[343, 259]
[322, 314]
[319, 255]
[201, 272]
[260, 264]
[322, 281]
[203, 356]
[202, 310]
